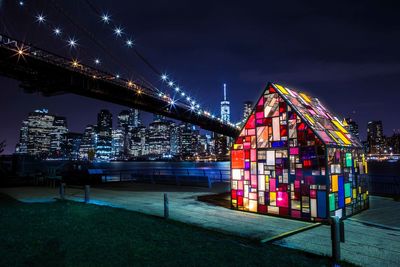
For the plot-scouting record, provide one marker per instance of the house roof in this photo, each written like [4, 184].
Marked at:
[328, 127]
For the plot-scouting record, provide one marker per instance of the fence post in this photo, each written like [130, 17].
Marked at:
[166, 206]
[335, 237]
[87, 193]
[209, 181]
[62, 191]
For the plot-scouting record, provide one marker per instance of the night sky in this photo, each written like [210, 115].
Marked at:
[346, 54]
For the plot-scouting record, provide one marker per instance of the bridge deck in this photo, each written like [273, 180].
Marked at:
[42, 71]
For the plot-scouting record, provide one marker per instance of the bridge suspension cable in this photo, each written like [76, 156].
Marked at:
[182, 97]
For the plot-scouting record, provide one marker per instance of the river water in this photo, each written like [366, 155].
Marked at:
[116, 165]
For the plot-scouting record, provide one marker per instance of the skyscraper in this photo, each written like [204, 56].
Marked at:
[159, 137]
[118, 144]
[57, 136]
[247, 109]
[104, 135]
[375, 137]
[225, 109]
[87, 148]
[72, 143]
[127, 119]
[352, 127]
[42, 134]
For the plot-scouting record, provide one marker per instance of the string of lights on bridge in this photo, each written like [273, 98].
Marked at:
[128, 41]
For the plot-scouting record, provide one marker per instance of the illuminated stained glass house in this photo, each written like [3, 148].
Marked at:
[294, 158]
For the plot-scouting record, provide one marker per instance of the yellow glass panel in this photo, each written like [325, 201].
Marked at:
[344, 139]
[309, 118]
[348, 200]
[282, 89]
[335, 186]
[305, 97]
[253, 205]
[339, 126]
[246, 203]
[272, 196]
[365, 164]
[334, 138]
[237, 146]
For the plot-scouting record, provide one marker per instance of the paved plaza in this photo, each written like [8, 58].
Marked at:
[372, 237]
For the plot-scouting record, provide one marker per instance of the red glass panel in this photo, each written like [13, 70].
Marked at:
[284, 211]
[262, 208]
[301, 126]
[282, 107]
[240, 201]
[272, 90]
[233, 193]
[307, 163]
[251, 122]
[283, 130]
[237, 159]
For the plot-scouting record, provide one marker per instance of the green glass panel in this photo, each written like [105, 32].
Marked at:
[349, 160]
[332, 206]
[347, 190]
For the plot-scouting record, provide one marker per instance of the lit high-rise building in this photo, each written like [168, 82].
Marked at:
[57, 136]
[87, 149]
[72, 143]
[352, 127]
[127, 119]
[247, 109]
[138, 145]
[225, 109]
[159, 137]
[118, 144]
[42, 134]
[104, 135]
[375, 137]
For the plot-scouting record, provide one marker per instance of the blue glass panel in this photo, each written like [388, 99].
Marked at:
[341, 192]
[278, 144]
[321, 204]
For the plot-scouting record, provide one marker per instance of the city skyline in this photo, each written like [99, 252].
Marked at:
[246, 67]
[46, 136]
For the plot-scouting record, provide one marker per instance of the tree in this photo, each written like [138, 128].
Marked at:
[2, 146]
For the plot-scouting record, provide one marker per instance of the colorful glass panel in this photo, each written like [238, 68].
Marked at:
[294, 158]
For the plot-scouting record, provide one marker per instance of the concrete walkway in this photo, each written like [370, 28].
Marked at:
[183, 207]
[372, 237]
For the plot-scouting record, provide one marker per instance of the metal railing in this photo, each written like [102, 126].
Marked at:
[178, 176]
[384, 185]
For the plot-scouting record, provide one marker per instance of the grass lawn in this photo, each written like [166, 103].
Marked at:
[66, 233]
